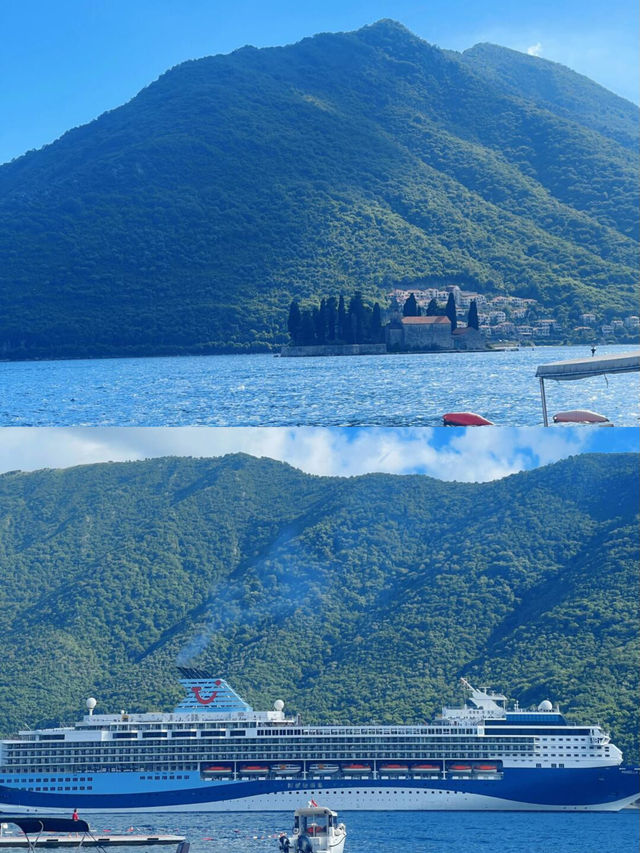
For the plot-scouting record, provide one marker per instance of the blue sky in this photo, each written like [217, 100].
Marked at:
[63, 62]
[472, 455]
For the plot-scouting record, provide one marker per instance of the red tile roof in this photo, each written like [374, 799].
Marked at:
[424, 321]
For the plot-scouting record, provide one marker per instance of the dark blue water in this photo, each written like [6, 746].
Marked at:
[252, 390]
[405, 832]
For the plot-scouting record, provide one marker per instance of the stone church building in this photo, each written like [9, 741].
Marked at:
[430, 333]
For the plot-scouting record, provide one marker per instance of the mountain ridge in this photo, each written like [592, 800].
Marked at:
[188, 218]
[360, 598]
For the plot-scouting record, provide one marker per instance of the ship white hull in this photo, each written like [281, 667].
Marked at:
[354, 800]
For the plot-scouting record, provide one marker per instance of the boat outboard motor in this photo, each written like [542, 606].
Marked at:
[304, 844]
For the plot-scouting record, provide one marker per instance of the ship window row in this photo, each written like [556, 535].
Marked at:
[32, 780]
[109, 747]
[164, 777]
[140, 763]
[276, 754]
[299, 749]
[62, 788]
[132, 733]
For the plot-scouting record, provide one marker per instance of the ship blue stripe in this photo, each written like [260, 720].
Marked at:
[539, 787]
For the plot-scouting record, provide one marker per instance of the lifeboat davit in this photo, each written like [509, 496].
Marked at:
[465, 419]
[581, 416]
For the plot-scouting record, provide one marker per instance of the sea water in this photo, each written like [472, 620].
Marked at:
[251, 390]
[405, 832]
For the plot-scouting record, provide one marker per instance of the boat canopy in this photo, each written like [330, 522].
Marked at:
[34, 824]
[315, 811]
[583, 368]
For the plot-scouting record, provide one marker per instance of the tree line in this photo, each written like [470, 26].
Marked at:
[332, 322]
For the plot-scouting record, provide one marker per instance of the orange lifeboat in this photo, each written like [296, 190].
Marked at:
[217, 770]
[356, 769]
[254, 770]
[394, 768]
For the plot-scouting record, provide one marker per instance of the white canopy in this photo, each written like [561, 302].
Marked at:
[582, 368]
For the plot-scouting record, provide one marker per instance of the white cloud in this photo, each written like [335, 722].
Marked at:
[535, 49]
[478, 455]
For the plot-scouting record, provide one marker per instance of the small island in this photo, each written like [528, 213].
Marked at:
[331, 328]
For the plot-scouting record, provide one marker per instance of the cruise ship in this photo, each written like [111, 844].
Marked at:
[215, 753]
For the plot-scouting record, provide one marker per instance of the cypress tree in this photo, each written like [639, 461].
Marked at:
[307, 330]
[472, 319]
[332, 318]
[376, 325]
[358, 318]
[450, 311]
[411, 307]
[432, 308]
[318, 323]
[293, 323]
[342, 320]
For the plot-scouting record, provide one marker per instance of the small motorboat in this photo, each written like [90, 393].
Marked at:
[487, 767]
[315, 830]
[581, 416]
[465, 419]
[45, 830]
[457, 767]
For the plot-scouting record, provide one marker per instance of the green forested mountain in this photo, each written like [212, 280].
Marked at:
[352, 599]
[187, 219]
[558, 90]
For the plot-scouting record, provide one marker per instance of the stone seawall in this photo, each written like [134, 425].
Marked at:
[334, 349]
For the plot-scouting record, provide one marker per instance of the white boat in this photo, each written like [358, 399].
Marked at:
[44, 830]
[315, 830]
[321, 769]
[286, 769]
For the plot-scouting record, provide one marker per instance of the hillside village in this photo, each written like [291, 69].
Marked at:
[513, 318]
[443, 319]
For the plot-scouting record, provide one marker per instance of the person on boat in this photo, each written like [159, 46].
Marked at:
[74, 816]
[285, 844]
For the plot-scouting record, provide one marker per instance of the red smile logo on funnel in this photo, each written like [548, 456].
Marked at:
[200, 698]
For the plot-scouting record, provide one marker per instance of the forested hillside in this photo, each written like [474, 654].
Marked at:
[363, 598]
[189, 218]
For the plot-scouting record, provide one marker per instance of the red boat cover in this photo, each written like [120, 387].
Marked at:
[465, 419]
